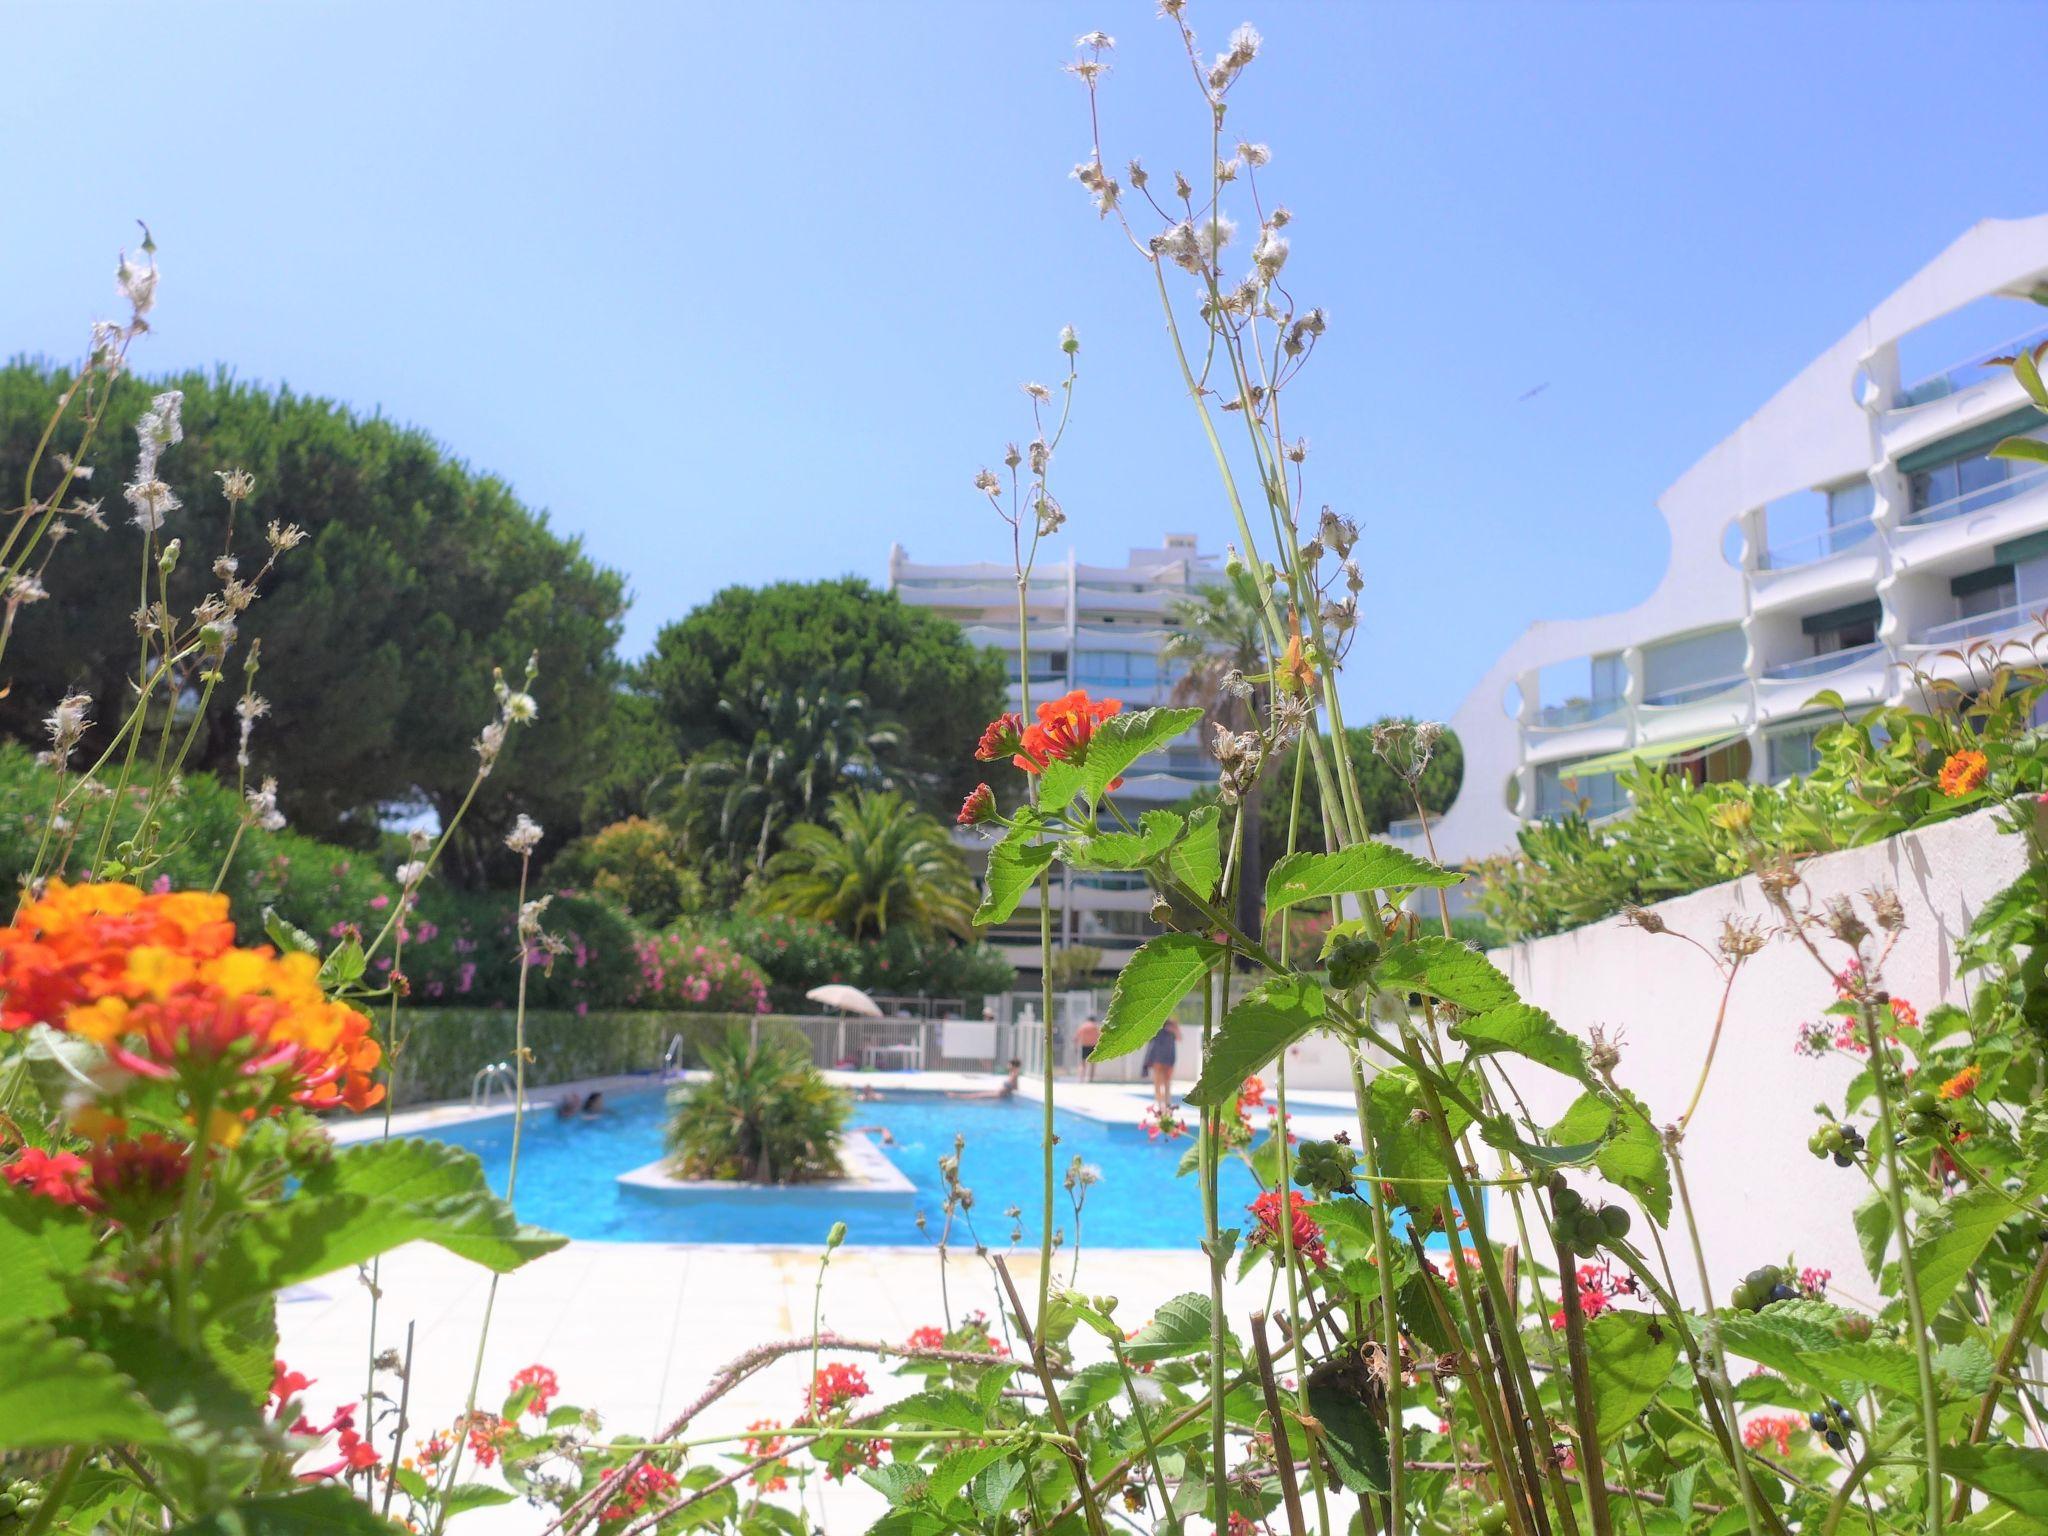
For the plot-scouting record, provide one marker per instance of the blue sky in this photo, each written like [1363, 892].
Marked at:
[747, 293]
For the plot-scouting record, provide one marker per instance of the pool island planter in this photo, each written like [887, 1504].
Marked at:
[868, 1175]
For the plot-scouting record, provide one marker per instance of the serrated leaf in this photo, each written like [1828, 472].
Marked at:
[344, 965]
[1121, 740]
[1798, 1346]
[1633, 1156]
[988, 1390]
[941, 1408]
[1874, 1231]
[1180, 1327]
[992, 1491]
[2015, 1475]
[1525, 1031]
[326, 1510]
[1445, 969]
[899, 1482]
[1952, 1243]
[1014, 865]
[54, 1392]
[1366, 866]
[1269, 1020]
[1197, 859]
[40, 1243]
[287, 937]
[1156, 832]
[369, 1199]
[1406, 1144]
[1058, 782]
[1094, 1386]
[1149, 987]
[1970, 1363]
[1629, 1358]
[956, 1469]
[1352, 1437]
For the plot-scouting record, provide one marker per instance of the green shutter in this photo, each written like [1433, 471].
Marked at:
[1837, 618]
[1976, 440]
[1979, 581]
[2020, 551]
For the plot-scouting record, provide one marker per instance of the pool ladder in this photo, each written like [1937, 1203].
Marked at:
[672, 1059]
[496, 1075]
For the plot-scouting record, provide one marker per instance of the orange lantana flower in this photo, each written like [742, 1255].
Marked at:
[1064, 729]
[1963, 1084]
[1963, 772]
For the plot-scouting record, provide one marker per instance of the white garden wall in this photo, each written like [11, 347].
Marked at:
[1756, 1189]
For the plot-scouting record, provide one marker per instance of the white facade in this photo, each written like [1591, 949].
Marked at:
[1851, 531]
[1098, 627]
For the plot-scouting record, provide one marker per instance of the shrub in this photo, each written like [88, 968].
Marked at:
[796, 954]
[632, 864]
[440, 1049]
[765, 1114]
[684, 970]
[464, 947]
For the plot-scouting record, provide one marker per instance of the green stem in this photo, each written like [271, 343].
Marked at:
[58, 1491]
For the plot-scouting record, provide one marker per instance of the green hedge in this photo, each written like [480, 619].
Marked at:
[440, 1049]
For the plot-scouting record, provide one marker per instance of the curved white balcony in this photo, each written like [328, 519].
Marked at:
[1837, 539]
[2000, 623]
[1573, 713]
[1821, 665]
[1693, 693]
[1859, 674]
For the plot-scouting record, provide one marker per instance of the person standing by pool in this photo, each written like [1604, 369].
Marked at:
[1160, 1056]
[1085, 1037]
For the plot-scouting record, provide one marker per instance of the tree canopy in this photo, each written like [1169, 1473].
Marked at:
[1384, 792]
[912, 667]
[378, 634]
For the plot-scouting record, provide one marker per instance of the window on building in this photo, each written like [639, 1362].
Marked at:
[1559, 792]
[1793, 752]
[1959, 475]
[1843, 629]
[1994, 589]
[1678, 671]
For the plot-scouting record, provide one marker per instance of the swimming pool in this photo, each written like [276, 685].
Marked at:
[568, 1178]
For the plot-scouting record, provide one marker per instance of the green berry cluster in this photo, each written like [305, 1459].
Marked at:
[1928, 1116]
[1844, 1143]
[1351, 960]
[19, 1501]
[1761, 1286]
[1327, 1167]
[1584, 1229]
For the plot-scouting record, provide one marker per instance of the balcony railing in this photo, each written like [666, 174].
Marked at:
[1574, 712]
[1982, 626]
[1984, 496]
[1973, 370]
[1821, 665]
[1836, 539]
[1689, 693]
[1405, 829]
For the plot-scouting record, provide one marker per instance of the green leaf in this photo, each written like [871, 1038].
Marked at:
[1629, 1356]
[1197, 859]
[2015, 1475]
[1014, 865]
[206, 1410]
[1951, 1244]
[941, 1408]
[1446, 969]
[988, 1391]
[40, 1243]
[1058, 782]
[1122, 739]
[1180, 1327]
[957, 1469]
[1797, 1343]
[1157, 831]
[1149, 987]
[53, 1392]
[1270, 1019]
[464, 1497]
[1352, 1437]
[994, 1488]
[1633, 1156]
[1406, 1145]
[2028, 372]
[325, 1510]
[1525, 1031]
[287, 937]
[344, 965]
[1500, 1132]
[1365, 867]
[2027, 448]
[1094, 1386]
[1874, 1231]
[899, 1482]
[370, 1199]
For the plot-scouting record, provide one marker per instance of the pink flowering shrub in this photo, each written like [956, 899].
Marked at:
[684, 970]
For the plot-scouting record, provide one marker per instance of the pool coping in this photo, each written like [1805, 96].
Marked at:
[869, 1174]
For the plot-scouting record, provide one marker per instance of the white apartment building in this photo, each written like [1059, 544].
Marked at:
[1852, 531]
[1098, 627]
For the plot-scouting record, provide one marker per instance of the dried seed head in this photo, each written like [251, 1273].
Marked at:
[1886, 906]
[1645, 919]
[1841, 920]
[1741, 937]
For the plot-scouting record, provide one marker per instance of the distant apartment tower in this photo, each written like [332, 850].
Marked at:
[1849, 534]
[1098, 627]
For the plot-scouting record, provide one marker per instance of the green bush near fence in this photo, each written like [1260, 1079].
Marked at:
[440, 1049]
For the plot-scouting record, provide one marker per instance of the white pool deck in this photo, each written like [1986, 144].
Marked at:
[636, 1330]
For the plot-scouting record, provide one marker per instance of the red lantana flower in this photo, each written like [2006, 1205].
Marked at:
[978, 807]
[647, 1484]
[59, 1176]
[927, 1337]
[835, 1386]
[1772, 1429]
[545, 1387]
[1308, 1237]
[1065, 727]
[1002, 737]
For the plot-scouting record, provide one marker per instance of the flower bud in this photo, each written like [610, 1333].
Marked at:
[167, 562]
[836, 1236]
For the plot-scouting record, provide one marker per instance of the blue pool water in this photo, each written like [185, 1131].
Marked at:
[568, 1171]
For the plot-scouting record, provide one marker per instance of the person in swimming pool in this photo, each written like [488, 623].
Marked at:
[1160, 1056]
[1006, 1089]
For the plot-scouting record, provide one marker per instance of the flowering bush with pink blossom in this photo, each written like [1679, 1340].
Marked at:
[681, 969]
